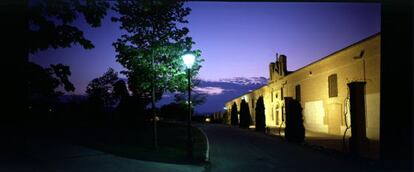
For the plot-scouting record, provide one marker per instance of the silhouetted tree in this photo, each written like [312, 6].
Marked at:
[260, 115]
[120, 89]
[234, 115]
[130, 111]
[244, 115]
[294, 131]
[42, 84]
[225, 118]
[177, 111]
[51, 22]
[153, 33]
[101, 92]
[197, 98]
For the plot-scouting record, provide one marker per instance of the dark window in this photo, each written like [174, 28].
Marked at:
[277, 117]
[271, 97]
[281, 93]
[297, 92]
[333, 85]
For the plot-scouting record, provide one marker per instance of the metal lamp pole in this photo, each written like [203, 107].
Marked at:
[189, 60]
[190, 136]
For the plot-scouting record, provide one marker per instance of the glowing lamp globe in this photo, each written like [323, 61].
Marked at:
[188, 60]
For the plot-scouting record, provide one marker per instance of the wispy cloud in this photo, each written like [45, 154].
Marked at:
[209, 90]
[167, 95]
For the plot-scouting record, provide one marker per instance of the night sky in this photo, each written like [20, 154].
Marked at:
[236, 39]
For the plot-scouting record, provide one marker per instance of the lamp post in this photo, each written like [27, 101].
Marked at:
[189, 61]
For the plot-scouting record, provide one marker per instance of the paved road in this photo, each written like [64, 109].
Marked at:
[234, 149]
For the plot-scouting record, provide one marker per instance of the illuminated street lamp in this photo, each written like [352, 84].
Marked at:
[189, 60]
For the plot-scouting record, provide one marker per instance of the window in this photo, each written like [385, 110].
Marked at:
[281, 93]
[271, 96]
[277, 117]
[297, 92]
[333, 85]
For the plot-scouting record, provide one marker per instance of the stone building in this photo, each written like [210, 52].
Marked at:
[322, 90]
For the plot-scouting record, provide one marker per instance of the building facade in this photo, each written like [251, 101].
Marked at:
[322, 90]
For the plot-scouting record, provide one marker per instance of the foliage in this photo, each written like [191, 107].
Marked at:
[101, 91]
[225, 118]
[42, 85]
[294, 131]
[62, 72]
[244, 115]
[196, 98]
[43, 82]
[234, 115]
[177, 111]
[152, 48]
[51, 22]
[260, 115]
[120, 89]
[130, 111]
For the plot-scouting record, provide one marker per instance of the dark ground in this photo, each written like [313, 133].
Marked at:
[234, 149]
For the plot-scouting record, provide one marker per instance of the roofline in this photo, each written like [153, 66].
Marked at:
[247, 92]
[291, 72]
[336, 52]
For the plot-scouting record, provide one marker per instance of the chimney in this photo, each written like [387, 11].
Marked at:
[271, 70]
[283, 68]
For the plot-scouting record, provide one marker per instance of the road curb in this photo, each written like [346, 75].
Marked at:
[207, 155]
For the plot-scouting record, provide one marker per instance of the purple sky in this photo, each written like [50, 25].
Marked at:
[237, 39]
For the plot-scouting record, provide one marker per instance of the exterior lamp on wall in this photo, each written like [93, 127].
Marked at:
[189, 60]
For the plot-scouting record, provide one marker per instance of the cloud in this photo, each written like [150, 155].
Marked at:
[209, 90]
[167, 95]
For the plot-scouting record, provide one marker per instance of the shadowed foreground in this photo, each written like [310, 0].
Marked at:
[234, 149]
[46, 149]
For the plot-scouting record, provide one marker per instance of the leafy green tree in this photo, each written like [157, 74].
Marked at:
[260, 115]
[234, 116]
[151, 49]
[51, 22]
[244, 115]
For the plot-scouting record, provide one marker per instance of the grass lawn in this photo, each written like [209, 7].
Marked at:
[137, 142]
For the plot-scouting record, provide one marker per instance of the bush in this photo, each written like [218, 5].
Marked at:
[244, 115]
[175, 111]
[234, 117]
[294, 131]
[260, 115]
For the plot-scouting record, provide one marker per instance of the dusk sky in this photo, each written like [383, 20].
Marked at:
[236, 39]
